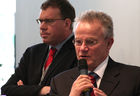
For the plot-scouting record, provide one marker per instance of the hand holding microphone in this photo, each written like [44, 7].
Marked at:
[83, 83]
[83, 68]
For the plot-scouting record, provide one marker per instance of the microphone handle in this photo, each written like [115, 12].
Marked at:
[87, 93]
[83, 72]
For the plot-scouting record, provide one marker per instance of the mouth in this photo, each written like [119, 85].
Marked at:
[83, 57]
[44, 34]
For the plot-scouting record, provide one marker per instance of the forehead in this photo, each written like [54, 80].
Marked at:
[50, 12]
[84, 29]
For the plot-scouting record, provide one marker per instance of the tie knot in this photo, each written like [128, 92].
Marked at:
[94, 75]
[52, 51]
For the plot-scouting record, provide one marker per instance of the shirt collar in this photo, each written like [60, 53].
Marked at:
[101, 68]
[59, 46]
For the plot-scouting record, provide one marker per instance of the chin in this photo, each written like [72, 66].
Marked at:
[44, 41]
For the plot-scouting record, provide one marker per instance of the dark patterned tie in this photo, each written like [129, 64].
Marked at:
[94, 77]
[50, 57]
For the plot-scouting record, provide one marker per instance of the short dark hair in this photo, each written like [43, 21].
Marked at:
[66, 9]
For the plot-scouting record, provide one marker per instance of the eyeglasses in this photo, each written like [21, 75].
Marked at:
[88, 42]
[47, 21]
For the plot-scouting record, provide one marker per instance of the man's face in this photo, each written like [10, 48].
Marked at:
[94, 48]
[52, 33]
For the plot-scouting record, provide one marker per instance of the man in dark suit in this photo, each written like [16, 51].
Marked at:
[56, 24]
[93, 40]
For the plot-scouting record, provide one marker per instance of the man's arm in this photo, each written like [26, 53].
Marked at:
[45, 90]
[23, 90]
[11, 88]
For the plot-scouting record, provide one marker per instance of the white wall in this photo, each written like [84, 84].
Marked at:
[27, 30]
[125, 14]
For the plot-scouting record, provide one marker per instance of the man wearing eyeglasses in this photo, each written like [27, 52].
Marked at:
[32, 77]
[93, 40]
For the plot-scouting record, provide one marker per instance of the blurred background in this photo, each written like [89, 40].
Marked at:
[19, 30]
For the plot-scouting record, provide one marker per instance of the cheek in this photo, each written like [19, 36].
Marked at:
[94, 54]
[59, 31]
[101, 52]
[55, 33]
[97, 51]
[77, 50]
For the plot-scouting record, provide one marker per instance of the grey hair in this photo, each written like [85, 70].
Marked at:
[104, 19]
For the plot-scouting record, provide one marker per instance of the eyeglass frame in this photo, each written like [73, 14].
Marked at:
[88, 42]
[47, 21]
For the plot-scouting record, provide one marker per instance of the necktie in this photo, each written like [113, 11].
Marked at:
[50, 57]
[94, 77]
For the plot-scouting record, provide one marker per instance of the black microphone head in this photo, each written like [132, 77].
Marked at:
[82, 64]
[83, 67]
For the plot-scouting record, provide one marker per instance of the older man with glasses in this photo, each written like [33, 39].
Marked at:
[101, 76]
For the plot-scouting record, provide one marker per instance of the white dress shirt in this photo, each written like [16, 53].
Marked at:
[100, 71]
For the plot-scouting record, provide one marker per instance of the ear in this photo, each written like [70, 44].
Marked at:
[110, 41]
[67, 23]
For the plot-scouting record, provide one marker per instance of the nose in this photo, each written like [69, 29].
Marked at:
[83, 47]
[43, 25]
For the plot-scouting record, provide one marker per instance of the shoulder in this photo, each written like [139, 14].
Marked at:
[124, 68]
[116, 68]
[37, 47]
[118, 65]
[130, 69]
[69, 44]
[129, 74]
[68, 73]
[127, 67]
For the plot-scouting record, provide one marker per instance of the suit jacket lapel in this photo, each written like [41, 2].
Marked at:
[75, 73]
[44, 53]
[36, 65]
[60, 56]
[73, 76]
[68, 47]
[41, 59]
[110, 79]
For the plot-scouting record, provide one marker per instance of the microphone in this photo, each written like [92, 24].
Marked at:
[83, 68]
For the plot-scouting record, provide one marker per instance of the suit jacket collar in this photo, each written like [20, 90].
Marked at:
[110, 78]
[75, 73]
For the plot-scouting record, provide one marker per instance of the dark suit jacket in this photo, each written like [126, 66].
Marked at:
[118, 80]
[30, 69]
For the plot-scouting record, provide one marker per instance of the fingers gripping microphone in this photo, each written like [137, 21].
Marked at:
[83, 68]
